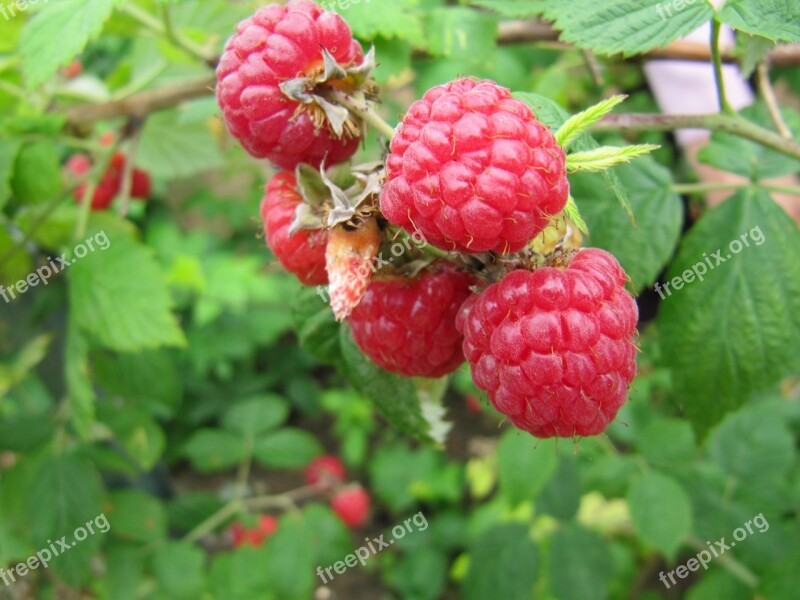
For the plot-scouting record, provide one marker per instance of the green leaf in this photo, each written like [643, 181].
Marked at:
[581, 122]
[24, 432]
[124, 571]
[752, 444]
[645, 249]
[81, 396]
[58, 33]
[735, 331]
[667, 443]
[580, 564]
[461, 33]
[397, 19]
[137, 516]
[561, 496]
[287, 448]
[503, 563]
[8, 158]
[37, 173]
[661, 512]
[180, 570]
[119, 295]
[751, 49]
[240, 575]
[627, 26]
[171, 149]
[395, 396]
[316, 327]
[289, 559]
[143, 439]
[512, 8]
[606, 157]
[524, 465]
[737, 155]
[773, 19]
[65, 494]
[214, 450]
[719, 584]
[421, 574]
[256, 415]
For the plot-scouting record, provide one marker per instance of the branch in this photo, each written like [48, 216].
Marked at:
[141, 104]
[733, 124]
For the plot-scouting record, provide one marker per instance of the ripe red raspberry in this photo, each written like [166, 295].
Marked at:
[554, 347]
[352, 506]
[473, 169]
[276, 44]
[327, 470]
[108, 187]
[302, 253]
[256, 536]
[408, 326]
[141, 186]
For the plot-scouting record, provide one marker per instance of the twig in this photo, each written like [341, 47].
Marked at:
[366, 114]
[732, 124]
[768, 94]
[127, 174]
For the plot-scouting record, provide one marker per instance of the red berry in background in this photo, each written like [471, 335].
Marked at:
[73, 69]
[276, 44]
[473, 170]
[554, 348]
[108, 187]
[327, 470]
[141, 186]
[256, 536]
[408, 326]
[107, 138]
[352, 506]
[302, 253]
[473, 404]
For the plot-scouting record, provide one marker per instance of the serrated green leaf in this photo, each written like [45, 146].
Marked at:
[503, 563]
[661, 512]
[119, 296]
[667, 443]
[773, 19]
[65, 494]
[8, 158]
[580, 564]
[561, 496]
[582, 121]
[398, 19]
[286, 448]
[574, 214]
[256, 415]
[171, 149]
[240, 575]
[289, 559]
[751, 50]
[394, 396]
[316, 327]
[519, 9]
[80, 393]
[645, 249]
[627, 26]
[735, 331]
[214, 450]
[58, 33]
[606, 157]
[524, 466]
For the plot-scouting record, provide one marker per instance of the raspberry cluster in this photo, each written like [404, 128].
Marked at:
[111, 183]
[554, 347]
[473, 169]
[352, 503]
[276, 44]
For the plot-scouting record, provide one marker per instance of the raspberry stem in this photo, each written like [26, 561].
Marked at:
[367, 114]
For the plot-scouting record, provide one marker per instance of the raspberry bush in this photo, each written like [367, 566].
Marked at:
[398, 299]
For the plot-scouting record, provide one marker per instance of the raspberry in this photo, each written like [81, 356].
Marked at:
[326, 470]
[141, 186]
[554, 347]
[408, 326]
[352, 506]
[267, 525]
[73, 69]
[276, 44]
[302, 253]
[111, 183]
[472, 169]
